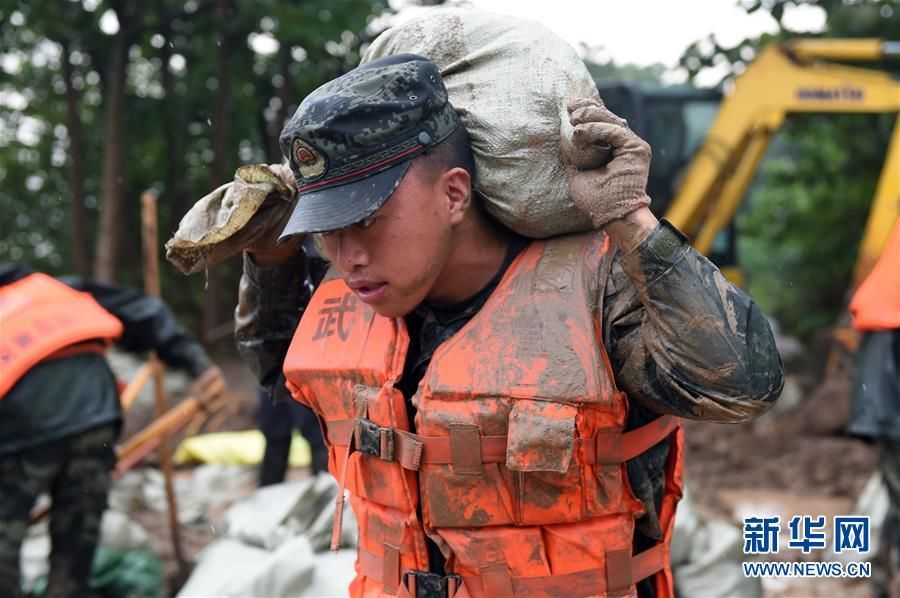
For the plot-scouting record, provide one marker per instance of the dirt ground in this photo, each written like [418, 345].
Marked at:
[778, 466]
[772, 466]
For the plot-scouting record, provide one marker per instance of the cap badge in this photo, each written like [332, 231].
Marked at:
[309, 161]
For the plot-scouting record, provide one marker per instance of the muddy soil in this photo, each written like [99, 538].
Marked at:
[783, 465]
[728, 458]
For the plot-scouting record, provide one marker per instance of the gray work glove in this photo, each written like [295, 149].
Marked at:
[251, 210]
[619, 186]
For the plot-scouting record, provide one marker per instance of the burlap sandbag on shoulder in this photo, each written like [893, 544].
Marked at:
[510, 80]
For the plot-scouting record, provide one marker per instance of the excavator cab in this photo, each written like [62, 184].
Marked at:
[674, 121]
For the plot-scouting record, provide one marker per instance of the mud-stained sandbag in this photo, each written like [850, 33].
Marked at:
[510, 81]
[231, 218]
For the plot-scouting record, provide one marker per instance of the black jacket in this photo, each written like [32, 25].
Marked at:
[66, 396]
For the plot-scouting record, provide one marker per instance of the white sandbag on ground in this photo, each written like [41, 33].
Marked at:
[873, 503]
[319, 531]
[274, 544]
[510, 81]
[333, 572]
[120, 532]
[273, 514]
[229, 567]
[706, 557]
[209, 485]
[116, 531]
[33, 557]
[259, 519]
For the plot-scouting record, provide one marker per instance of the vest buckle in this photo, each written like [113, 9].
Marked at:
[422, 584]
[375, 440]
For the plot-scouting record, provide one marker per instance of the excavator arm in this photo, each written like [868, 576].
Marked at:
[786, 78]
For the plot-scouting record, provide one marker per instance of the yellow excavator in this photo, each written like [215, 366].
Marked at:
[798, 76]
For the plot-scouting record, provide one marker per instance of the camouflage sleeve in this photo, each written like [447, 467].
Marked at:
[271, 300]
[682, 339]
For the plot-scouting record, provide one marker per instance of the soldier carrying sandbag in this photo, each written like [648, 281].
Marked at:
[507, 338]
[503, 411]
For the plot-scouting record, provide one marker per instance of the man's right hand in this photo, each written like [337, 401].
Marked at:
[611, 191]
[266, 250]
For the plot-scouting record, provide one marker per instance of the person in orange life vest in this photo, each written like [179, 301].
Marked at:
[59, 407]
[503, 411]
[875, 404]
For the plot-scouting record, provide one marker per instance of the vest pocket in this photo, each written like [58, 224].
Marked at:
[539, 452]
[541, 436]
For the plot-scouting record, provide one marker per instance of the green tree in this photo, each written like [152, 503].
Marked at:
[803, 219]
[102, 99]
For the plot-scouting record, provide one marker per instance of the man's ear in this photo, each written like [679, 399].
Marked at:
[457, 185]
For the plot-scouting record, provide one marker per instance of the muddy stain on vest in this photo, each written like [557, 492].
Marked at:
[376, 479]
[542, 490]
[444, 510]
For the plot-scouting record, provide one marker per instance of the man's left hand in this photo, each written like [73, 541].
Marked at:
[209, 385]
[619, 187]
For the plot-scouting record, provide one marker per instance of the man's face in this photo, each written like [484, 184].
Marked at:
[392, 259]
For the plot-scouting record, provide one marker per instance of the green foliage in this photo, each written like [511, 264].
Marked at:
[799, 230]
[167, 132]
[799, 237]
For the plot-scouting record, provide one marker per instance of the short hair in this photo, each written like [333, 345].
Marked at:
[453, 152]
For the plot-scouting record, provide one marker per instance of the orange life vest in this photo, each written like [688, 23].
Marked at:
[516, 469]
[42, 318]
[876, 304]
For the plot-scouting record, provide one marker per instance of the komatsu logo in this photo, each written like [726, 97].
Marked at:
[830, 94]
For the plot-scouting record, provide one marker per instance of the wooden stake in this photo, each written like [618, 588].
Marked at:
[135, 386]
[141, 444]
[149, 232]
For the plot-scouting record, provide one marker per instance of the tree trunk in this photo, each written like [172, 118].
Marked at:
[221, 123]
[109, 233]
[221, 168]
[286, 94]
[78, 240]
[266, 132]
[176, 196]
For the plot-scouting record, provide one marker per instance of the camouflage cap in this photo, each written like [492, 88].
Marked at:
[351, 141]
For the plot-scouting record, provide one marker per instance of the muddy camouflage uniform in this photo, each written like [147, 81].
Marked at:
[58, 425]
[76, 470]
[681, 340]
